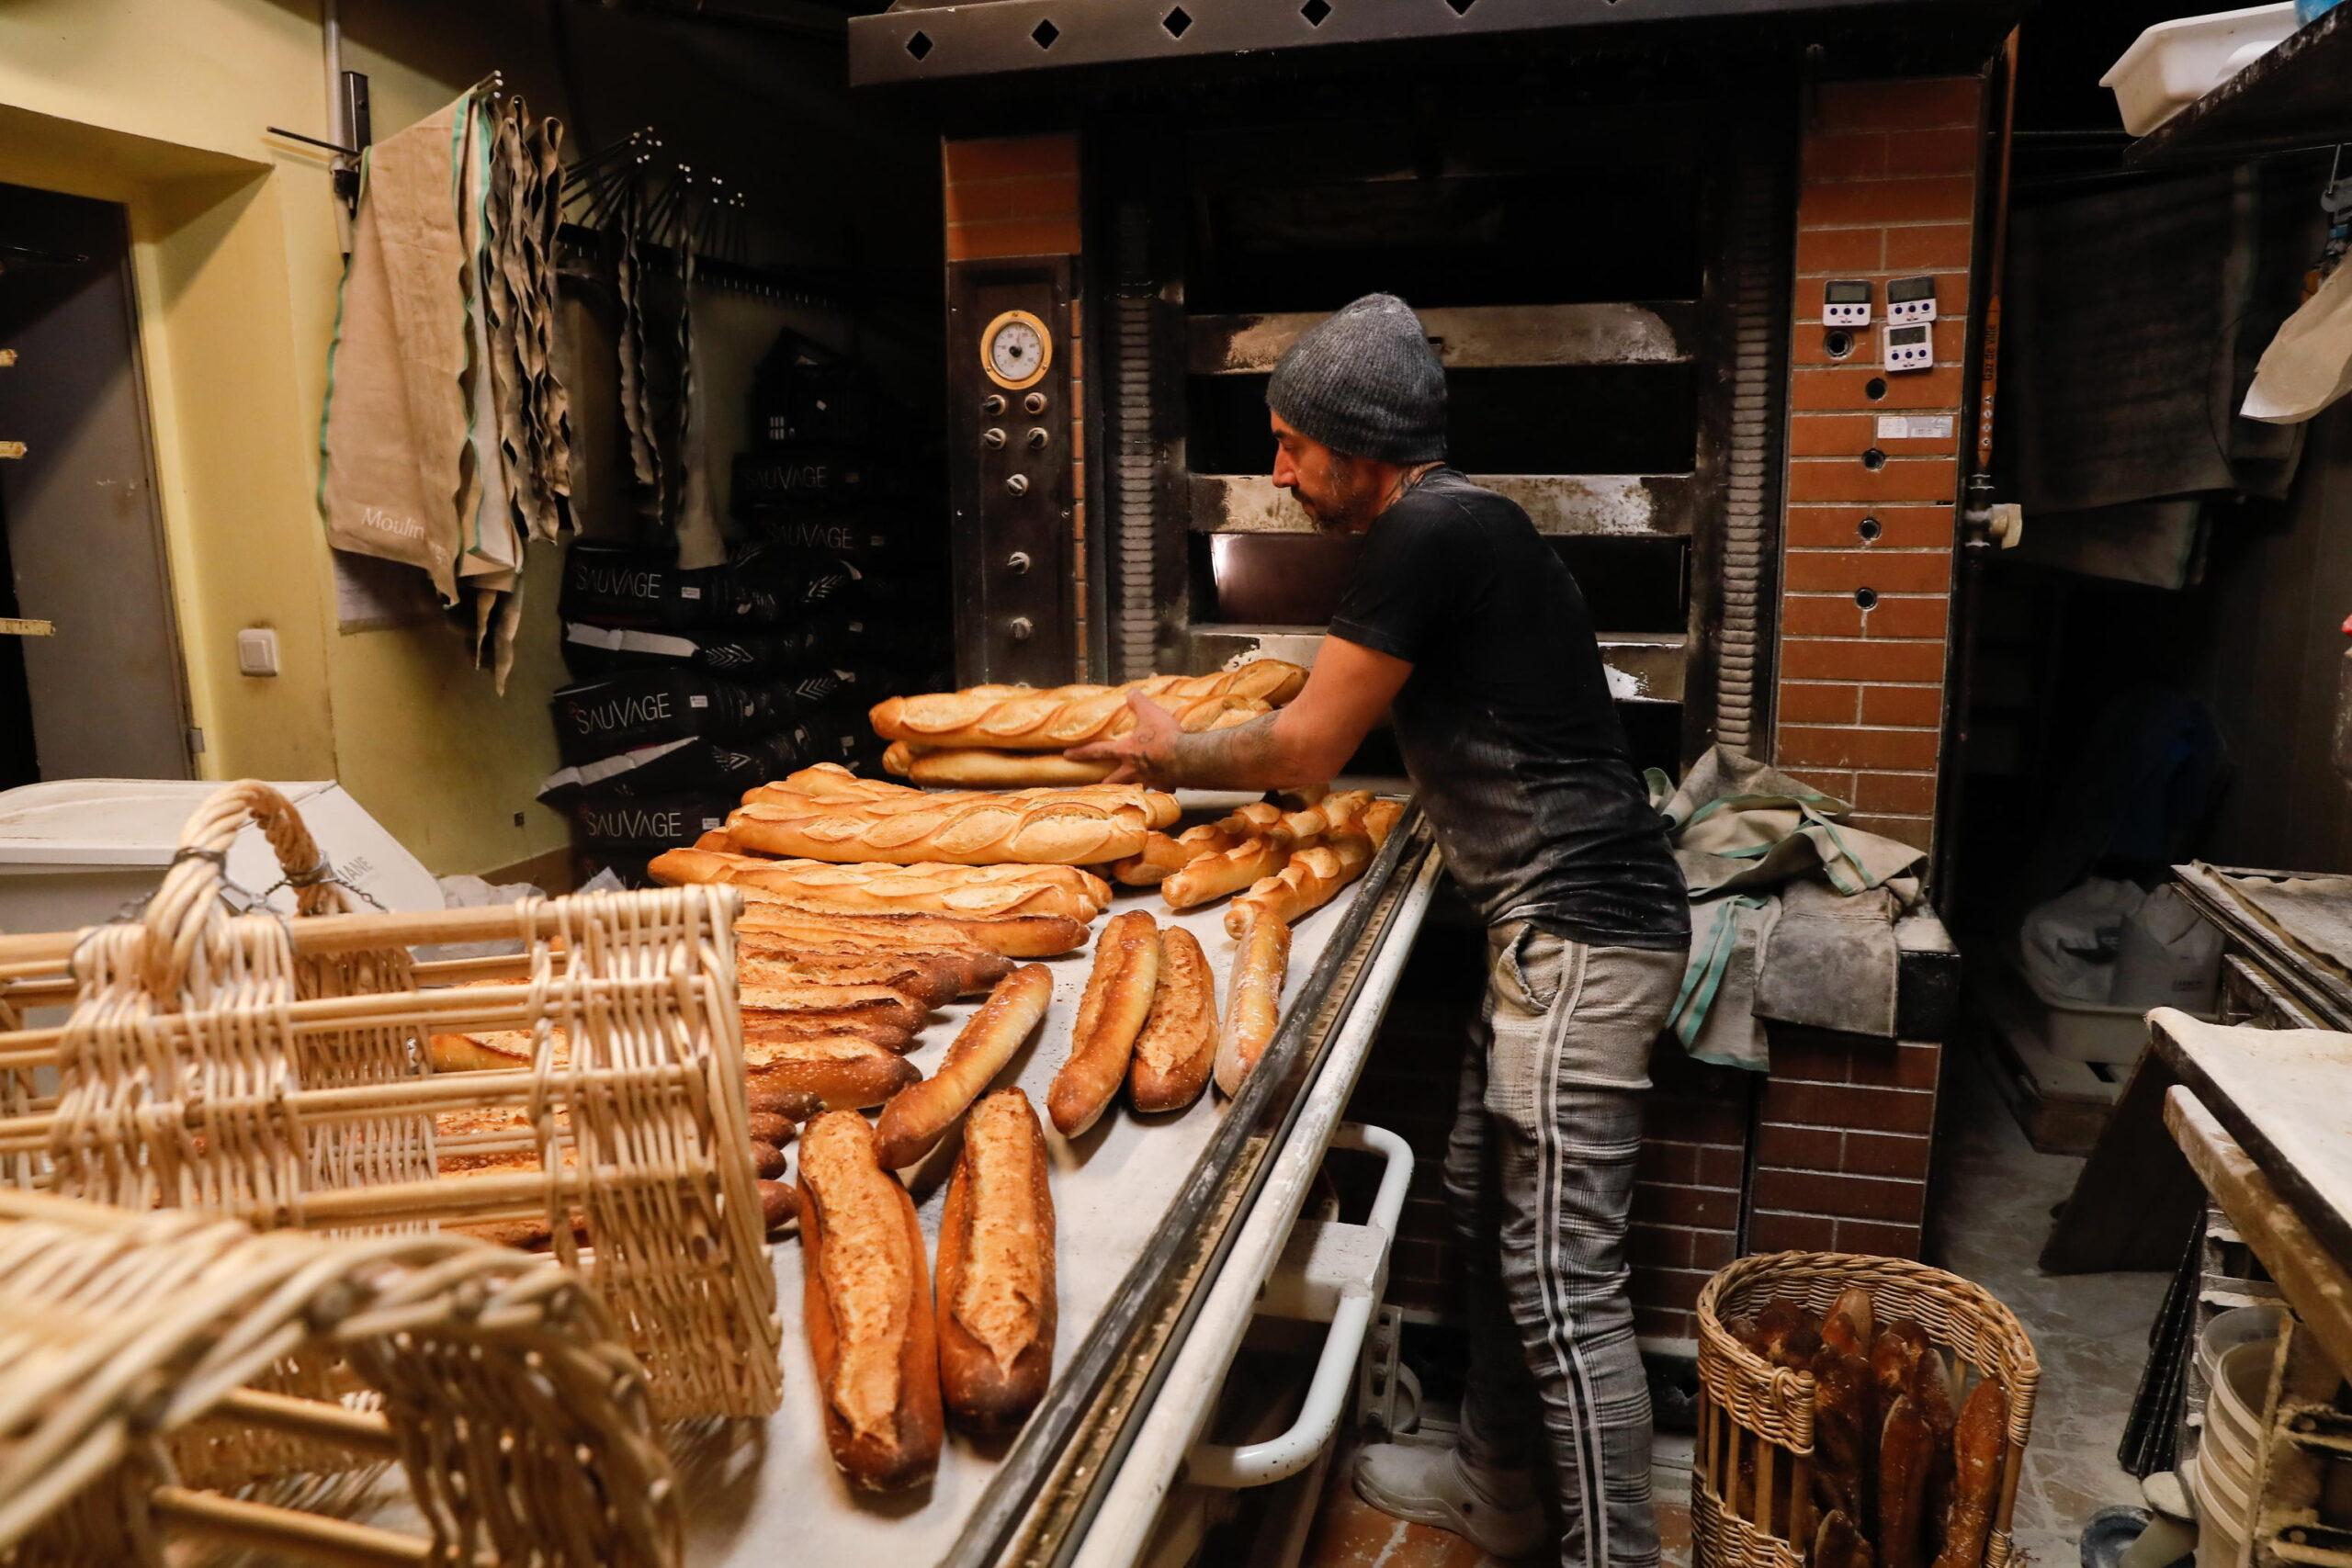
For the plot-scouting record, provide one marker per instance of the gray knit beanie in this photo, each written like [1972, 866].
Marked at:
[1365, 381]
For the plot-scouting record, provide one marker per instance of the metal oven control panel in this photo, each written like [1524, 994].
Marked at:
[1010, 468]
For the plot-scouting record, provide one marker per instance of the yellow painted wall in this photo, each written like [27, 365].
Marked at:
[162, 105]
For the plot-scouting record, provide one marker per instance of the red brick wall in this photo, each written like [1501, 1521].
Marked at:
[1888, 190]
[1841, 1145]
[1019, 196]
[1687, 1188]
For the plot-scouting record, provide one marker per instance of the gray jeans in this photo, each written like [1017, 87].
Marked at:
[1540, 1176]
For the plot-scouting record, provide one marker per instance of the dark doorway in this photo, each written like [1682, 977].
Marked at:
[100, 692]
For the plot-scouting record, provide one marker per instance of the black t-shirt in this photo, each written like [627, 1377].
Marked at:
[1506, 725]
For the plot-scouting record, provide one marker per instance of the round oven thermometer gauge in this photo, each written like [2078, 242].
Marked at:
[1015, 351]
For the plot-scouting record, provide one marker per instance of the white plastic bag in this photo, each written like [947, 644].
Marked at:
[2070, 944]
[473, 893]
[2169, 956]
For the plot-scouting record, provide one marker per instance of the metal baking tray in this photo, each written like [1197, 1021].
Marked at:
[1144, 1208]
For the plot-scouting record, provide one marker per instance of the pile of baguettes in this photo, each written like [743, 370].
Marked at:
[1007, 737]
[869, 904]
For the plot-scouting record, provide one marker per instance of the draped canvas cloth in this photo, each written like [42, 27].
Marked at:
[1801, 928]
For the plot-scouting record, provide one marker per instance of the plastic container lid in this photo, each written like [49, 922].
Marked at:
[106, 821]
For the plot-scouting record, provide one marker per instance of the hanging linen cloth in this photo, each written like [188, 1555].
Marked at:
[393, 439]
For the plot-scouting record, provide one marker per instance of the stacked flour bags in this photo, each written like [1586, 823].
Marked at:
[690, 687]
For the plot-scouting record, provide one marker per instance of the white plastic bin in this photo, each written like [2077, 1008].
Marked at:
[2088, 1032]
[72, 854]
[2173, 65]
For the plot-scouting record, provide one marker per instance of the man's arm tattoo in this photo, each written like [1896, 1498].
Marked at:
[1246, 756]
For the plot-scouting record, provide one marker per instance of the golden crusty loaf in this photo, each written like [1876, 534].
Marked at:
[1112, 1013]
[958, 970]
[977, 832]
[933, 980]
[970, 767]
[840, 1072]
[1058, 718]
[866, 1305]
[914, 1122]
[984, 891]
[830, 786]
[1178, 1045]
[1253, 1000]
[961, 721]
[996, 1302]
[1013, 936]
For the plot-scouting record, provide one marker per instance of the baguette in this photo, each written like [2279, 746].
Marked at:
[770, 1127]
[841, 1072]
[913, 1124]
[1980, 1453]
[866, 1004]
[867, 1309]
[784, 1027]
[486, 1050]
[1907, 1448]
[1271, 681]
[997, 1307]
[792, 1105]
[972, 768]
[1226, 871]
[1255, 843]
[1045, 721]
[767, 1161]
[983, 891]
[1846, 1324]
[839, 960]
[1252, 1000]
[1118, 998]
[981, 833]
[932, 979]
[779, 1205]
[829, 787]
[1178, 1045]
[1016, 936]
[1312, 878]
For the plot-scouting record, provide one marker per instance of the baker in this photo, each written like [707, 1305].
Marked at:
[1465, 628]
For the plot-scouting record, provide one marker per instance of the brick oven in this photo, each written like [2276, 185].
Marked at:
[1621, 235]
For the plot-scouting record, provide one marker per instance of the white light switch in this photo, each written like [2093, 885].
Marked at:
[258, 651]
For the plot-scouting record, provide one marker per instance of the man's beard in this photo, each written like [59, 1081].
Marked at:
[1348, 509]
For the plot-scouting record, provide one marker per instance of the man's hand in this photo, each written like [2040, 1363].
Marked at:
[1144, 753]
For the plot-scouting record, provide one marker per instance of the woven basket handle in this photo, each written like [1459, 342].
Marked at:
[187, 905]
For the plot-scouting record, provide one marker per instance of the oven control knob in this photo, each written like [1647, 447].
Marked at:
[1035, 404]
[1020, 628]
[1018, 484]
[993, 404]
[1037, 438]
[992, 437]
[1017, 563]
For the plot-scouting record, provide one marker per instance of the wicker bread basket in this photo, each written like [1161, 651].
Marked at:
[1750, 1484]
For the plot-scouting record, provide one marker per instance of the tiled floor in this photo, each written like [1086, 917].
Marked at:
[1995, 1202]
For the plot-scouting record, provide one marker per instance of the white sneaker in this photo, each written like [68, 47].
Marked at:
[1494, 1510]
